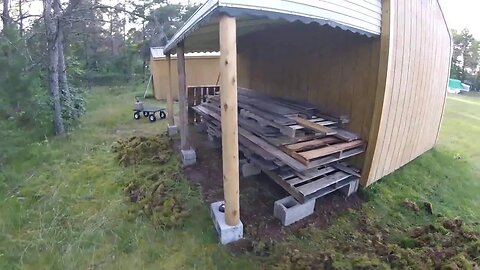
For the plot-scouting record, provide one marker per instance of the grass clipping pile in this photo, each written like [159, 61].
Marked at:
[158, 186]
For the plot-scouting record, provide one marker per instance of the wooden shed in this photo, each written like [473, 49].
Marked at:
[202, 69]
[382, 63]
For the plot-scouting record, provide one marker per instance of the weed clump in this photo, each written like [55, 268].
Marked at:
[159, 192]
[143, 150]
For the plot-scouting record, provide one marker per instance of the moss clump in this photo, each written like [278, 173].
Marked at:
[160, 192]
[143, 150]
[447, 244]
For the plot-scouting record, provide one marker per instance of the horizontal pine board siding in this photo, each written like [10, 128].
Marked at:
[415, 92]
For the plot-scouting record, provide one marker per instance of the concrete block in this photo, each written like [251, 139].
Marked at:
[172, 130]
[226, 233]
[288, 210]
[350, 188]
[189, 157]
[214, 142]
[249, 169]
[201, 127]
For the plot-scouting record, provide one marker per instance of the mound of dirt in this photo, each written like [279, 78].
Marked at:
[143, 150]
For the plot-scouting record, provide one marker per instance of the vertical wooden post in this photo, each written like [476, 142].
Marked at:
[229, 115]
[198, 101]
[170, 93]
[191, 103]
[182, 92]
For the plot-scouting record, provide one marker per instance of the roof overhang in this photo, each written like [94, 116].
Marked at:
[156, 53]
[200, 32]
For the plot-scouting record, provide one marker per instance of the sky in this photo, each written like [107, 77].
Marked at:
[459, 13]
[463, 14]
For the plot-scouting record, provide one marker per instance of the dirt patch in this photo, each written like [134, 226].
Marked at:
[257, 196]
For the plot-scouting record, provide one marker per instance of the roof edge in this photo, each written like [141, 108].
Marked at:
[200, 14]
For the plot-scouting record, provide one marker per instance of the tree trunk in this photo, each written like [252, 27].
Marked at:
[51, 22]
[62, 69]
[62, 72]
[6, 15]
[20, 14]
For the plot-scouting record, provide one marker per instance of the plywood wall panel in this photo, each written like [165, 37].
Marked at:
[199, 71]
[409, 116]
[332, 68]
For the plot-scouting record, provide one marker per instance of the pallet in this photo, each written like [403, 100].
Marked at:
[320, 182]
[308, 151]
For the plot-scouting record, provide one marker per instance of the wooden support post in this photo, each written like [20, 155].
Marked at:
[198, 101]
[182, 91]
[191, 103]
[229, 116]
[170, 113]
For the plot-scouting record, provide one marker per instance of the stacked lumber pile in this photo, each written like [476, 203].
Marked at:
[292, 142]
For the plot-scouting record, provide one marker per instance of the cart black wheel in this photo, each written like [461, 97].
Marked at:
[152, 118]
[146, 114]
[162, 115]
[136, 115]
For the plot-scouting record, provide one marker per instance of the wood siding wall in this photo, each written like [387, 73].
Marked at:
[199, 71]
[409, 115]
[334, 69]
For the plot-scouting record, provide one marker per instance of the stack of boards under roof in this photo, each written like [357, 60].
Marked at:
[292, 142]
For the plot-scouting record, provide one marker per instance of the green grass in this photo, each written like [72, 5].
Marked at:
[63, 204]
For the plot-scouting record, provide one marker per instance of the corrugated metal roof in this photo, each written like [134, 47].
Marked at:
[157, 53]
[359, 16]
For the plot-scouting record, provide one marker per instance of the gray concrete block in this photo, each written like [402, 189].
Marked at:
[189, 157]
[201, 127]
[226, 233]
[214, 142]
[288, 210]
[172, 130]
[350, 188]
[249, 169]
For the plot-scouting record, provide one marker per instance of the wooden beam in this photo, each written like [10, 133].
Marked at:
[314, 126]
[182, 92]
[170, 117]
[229, 116]
[382, 95]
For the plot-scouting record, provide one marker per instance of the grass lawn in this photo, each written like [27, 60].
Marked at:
[64, 204]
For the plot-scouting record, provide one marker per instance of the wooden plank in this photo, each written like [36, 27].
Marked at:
[324, 171]
[288, 160]
[285, 130]
[346, 135]
[302, 146]
[324, 182]
[313, 126]
[293, 191]
[345, 169]
[313, 154]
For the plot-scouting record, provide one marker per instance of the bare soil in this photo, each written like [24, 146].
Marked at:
[257, 196]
